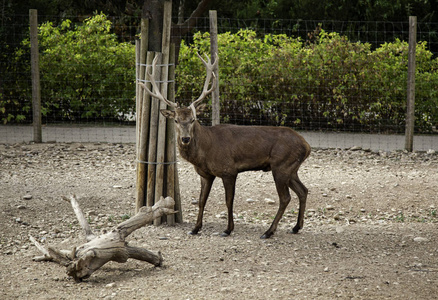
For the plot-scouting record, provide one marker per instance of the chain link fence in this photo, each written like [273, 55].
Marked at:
[342, 84]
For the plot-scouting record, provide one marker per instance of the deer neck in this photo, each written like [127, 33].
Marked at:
[195, 151]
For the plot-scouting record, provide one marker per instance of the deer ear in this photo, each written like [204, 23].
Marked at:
[201, 108]
[168, 113]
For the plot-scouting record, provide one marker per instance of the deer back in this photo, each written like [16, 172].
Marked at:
[231, 149]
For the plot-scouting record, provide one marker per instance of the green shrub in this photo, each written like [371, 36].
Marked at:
[85, 72]
[326, 82]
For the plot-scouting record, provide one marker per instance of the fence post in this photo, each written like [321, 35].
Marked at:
[35, 71]
[215, 103]
[410, 102]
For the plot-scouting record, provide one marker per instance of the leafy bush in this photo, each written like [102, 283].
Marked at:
[325, 82]
[85, 72]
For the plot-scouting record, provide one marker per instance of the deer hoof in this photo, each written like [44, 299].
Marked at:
[266, 235]
[295, 230]
[225, 234]
[193, 232]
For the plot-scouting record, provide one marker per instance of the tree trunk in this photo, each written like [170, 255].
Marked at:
[182, 28]
[154, 11]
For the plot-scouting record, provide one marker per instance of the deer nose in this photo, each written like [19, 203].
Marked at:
[185, 140]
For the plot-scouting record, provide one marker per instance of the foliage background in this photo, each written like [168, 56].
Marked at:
[85, 72]
[310, 79]
[279, 80]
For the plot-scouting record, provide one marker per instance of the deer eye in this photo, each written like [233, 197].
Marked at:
[176, 121]
[192, 120]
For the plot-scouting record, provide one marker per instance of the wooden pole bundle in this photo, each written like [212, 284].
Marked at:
[156, 153]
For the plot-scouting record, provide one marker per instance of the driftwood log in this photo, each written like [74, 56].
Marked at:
[83, 260]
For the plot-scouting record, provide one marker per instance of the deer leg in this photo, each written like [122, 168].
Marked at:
[206, 183]
[230, 186]
[298, 187]
[284, 196]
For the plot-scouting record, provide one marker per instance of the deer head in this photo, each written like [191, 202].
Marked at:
[185, 117]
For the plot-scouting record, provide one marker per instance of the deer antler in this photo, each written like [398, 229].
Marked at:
[205, 92]
[209, 67]
[151, 77]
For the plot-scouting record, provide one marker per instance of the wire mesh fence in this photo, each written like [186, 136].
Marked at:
[126, 134]
[325, 78]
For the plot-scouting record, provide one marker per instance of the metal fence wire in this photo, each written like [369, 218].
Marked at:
[322, 77]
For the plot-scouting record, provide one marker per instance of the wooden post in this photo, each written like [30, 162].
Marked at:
[161, 139]
[410, 104]
[153, 136]
[144, 113]
[141, 61]
[35, 70]
[215, 103]
[143, 110]
[172, 170]
[138, 93]
[138, 90]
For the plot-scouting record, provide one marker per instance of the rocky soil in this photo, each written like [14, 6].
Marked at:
[370, 230]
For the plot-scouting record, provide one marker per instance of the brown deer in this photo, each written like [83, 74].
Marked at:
[227, 150]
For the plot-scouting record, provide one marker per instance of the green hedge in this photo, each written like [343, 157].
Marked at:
[86, 74]
[326, 82]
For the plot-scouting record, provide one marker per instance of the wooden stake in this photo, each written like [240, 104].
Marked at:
[142, 124]
[215, 103]
[142, 61]
[138, 91]
[170, 141]
[35, 70]
[410, 112]
[140, 167]
[144, 145]
[161, 139]
[152, 157]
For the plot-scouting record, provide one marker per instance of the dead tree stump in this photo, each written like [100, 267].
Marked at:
[83, 260]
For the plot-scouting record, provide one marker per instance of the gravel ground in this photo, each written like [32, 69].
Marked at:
[369, 233]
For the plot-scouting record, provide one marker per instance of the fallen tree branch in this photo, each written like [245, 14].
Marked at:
[82, 221]
[46, 255]
[83, 260]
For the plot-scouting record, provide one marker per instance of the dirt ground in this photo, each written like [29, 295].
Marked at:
[370, 230]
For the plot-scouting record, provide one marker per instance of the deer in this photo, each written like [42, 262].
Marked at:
[225, 150]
